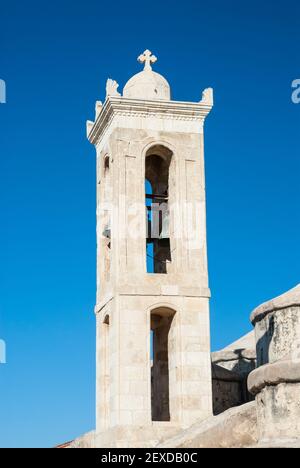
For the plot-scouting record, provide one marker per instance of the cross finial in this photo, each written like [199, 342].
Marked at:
[147, 58]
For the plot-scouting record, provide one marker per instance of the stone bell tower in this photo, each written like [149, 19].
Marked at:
[152, 310]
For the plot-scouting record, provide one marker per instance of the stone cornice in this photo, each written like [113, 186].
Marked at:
[173, 110]
[233, 355]
[284, 371]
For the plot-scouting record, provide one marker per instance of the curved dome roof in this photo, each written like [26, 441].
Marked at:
[147, 84]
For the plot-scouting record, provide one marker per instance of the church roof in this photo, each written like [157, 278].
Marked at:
[245, 342]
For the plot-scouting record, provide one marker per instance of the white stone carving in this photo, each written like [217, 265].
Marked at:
[112, 88]
[147, 58]
[208, 97]
[98, 108]
[89, 126]
[154, 111]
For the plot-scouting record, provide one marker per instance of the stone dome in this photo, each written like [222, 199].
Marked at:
[147, 84]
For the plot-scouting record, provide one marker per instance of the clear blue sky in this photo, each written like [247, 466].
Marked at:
[55, 58]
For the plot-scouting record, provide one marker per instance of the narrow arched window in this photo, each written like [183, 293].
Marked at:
[162, 363]
[105, 361]
[106, 164]
[158, 159]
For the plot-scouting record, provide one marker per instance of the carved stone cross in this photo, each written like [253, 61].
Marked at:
[148, 58]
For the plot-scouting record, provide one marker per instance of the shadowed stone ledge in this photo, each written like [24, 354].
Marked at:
[284, 371]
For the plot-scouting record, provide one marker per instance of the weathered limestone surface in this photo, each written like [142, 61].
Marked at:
[279, 412]
[276, 383]
[278, 335]
[234, 428]
[277, 327]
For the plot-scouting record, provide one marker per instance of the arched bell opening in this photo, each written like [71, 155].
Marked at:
[158, 160]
